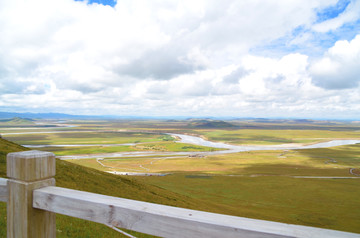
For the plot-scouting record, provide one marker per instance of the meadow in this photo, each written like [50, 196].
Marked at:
[291, 186]
[273, 137]
[72, 176]
[84, 137]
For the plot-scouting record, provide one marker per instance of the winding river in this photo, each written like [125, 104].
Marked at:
[200, 141]
[189, 140]
[235, 148]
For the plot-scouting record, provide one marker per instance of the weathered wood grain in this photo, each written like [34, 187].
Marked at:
[3, 190]
[30, 165]
[166, 221]
[28, 171]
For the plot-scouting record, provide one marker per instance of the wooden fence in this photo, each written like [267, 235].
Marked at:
[32, 201]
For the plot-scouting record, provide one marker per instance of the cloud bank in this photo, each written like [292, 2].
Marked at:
[340, 66]
[166, 58]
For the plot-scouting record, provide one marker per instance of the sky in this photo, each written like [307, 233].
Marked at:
[203, 58]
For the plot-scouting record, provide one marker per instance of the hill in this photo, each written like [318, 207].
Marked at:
[77, 177]
[17, 121]
[208, 124]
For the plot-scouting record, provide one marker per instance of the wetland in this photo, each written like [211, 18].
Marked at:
[300, 169]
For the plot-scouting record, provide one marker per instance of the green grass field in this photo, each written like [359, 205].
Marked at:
[173, 146]
[78, 177]
[255, 184]
[77, 150]
[271, 137]
[261, 184]
[311, 162]
[326, 203]
[84, 137]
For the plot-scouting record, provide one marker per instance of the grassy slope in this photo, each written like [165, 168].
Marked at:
[81, 178]
[16, 121]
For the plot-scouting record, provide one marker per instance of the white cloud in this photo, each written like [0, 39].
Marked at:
[339, 68]
[71, 42]
[156, 57]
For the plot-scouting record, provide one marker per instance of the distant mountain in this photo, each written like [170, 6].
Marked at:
[9, 115]
[209, 124]
[29, 115]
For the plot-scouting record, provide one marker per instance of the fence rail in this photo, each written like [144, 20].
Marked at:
[3, 190]
[44, 200]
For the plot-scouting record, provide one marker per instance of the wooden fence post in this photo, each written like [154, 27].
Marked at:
[27, 171]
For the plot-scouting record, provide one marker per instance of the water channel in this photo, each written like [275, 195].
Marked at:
[185, 139]
[200, 141]
[235, 148]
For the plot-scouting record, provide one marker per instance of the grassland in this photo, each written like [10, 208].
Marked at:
[326, 203]
[264, 185]
[255, 184]
[15, 121]
[311, 162]
[85, 179]
[272, 137]
[84, 137]
[97, 142]
[172, 146]
[77, 150]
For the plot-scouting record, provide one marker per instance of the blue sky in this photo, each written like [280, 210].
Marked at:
[332, 11]
[182, 58]
[103, 2]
